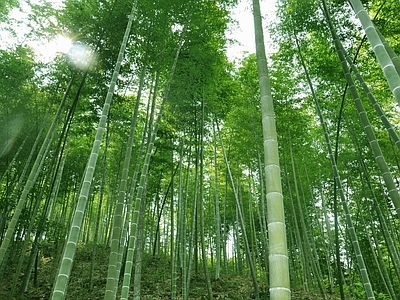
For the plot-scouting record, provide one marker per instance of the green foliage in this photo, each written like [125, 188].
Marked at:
[230, 95]
[5, 7]
[382, 296]
[155, 279]
[17, 100]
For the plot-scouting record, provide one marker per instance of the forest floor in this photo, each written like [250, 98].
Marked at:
[155, 283]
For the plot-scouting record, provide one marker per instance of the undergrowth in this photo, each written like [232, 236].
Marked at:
[155, 283]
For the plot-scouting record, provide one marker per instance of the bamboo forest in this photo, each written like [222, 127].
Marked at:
[139, 160]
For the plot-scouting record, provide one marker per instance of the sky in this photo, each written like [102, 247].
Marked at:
[242, 31]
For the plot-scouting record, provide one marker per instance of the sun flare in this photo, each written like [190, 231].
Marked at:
[47, 51]
[61, 44]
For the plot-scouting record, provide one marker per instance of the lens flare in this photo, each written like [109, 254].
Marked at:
[62, 44]
[80, 55]
[9, 132]
[48, 50]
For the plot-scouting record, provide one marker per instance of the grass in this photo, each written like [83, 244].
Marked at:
[155, 283]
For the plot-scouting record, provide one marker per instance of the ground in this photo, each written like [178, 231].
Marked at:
[156, 282]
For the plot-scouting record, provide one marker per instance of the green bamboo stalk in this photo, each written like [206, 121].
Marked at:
[142, 183]
[179, 232]
[61, 282]
[279, 282]
[306, 240]
[240, 219]
[263, 219]
[303, 262]
[350, 227]
[381, 114]
[379, 49]
[117, 238]
[139, 252]
[31, 179]
[184, 262]
[217, 210]
[373, 141]
[393, 56]
[392, 248]
[201, 202]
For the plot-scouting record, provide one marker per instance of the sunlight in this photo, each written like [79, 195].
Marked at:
[62, 44]
[47, 51]
[80, 55]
